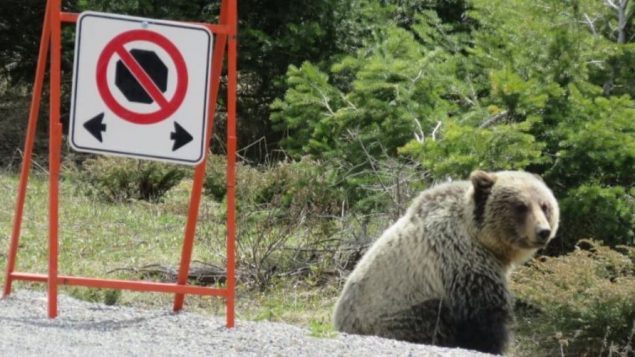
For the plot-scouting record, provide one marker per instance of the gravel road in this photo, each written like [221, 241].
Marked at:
[88, 329]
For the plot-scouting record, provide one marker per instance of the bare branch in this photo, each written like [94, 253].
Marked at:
[597, 63]
[419, 136]
[325, 99]
[415, 79]
[620, 9]
[373, 166]
[591, 24]
[434, 131]
[492, 120]
[610, 3]
[350, 104]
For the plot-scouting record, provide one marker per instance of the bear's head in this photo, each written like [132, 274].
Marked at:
[513, 213]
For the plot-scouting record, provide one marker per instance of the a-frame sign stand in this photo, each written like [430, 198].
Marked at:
[225, 39]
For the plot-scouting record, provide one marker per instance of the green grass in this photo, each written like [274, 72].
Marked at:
[95, 237]
[99, 239]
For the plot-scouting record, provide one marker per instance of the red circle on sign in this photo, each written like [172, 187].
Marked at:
[166, 107]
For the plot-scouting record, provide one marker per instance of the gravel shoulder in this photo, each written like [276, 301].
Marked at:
[89, 329]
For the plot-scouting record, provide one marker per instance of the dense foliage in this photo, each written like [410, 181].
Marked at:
[119, 180]
[538, 85]
[444, 86]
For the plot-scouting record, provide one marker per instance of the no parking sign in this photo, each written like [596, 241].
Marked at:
[140, 88]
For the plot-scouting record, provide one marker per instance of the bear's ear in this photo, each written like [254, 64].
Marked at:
[482, 181]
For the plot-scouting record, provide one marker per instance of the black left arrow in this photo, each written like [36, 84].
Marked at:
[95, 126]
[180, 137]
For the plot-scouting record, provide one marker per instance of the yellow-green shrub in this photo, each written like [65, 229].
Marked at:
[582, 303]
[287, 184]
[118, 179]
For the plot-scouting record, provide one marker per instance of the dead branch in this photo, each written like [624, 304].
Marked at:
[371, 161]
[493, 120]
[434, 131]
[420, 135]
[590, 23]
[620, 8]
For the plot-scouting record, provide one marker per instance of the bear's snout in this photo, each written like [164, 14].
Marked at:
[543, 234]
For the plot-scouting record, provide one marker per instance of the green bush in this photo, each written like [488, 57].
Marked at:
[285, 215]
[462, 149]
[215, 184]
[529, 88]
[370, 102]
[598, 212]
[117, 179]
[14, 113]
[580, 304]
[303, 184]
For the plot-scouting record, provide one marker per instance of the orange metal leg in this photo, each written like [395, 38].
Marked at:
[122, 284]
[231, 162]
[55, 138]
[28, 152]
[231, 181]
[51, 39]
[190, 230]
[199, 175]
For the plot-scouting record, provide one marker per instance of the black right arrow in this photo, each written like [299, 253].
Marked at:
[95, 126]
[180, 137]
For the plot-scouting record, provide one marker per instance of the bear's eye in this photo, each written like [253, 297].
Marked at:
[544, 207]
[521, 207]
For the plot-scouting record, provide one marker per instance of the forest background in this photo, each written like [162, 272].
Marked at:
[347, 109]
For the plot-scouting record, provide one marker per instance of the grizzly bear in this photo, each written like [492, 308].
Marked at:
[439, 274]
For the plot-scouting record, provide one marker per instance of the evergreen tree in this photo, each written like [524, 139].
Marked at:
[538, 85]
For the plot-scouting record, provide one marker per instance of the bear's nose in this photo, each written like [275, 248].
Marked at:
[544, 233]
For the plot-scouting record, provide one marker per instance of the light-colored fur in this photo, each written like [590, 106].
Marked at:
[428, 253]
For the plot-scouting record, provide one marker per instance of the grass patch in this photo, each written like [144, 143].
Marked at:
[102, 239]
[291, 264]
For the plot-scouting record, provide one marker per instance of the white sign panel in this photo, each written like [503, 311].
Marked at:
[140, 88]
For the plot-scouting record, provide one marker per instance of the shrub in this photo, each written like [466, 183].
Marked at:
[605, 213]
[14, 112]
[215, 183]
[303, 184]
[462, 149]
[581, 303]
[118, 179]
[285, 215]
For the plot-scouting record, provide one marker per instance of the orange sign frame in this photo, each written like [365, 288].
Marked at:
[225, 32]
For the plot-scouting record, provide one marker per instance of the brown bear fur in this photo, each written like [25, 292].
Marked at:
[438, 275]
